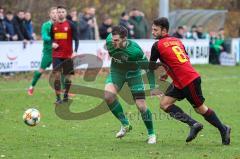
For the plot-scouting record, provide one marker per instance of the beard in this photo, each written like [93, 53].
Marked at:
[158, 37]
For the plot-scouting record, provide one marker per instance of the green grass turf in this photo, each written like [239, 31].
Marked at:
[95, 138]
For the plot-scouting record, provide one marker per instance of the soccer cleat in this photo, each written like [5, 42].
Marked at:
[194, 130]
[152, 139]
[58, 101]
[65, 98]
[226, 136]
[30, 91]
[69, 94]
[123, 131]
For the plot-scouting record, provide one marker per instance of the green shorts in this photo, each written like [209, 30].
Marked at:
[133, 79]
[46, 61]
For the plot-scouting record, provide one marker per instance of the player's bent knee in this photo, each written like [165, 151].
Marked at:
[164, 105]
[109, 97]
[202, 109]
[141, 104]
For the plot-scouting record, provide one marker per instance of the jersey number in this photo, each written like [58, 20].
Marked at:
[180, 54]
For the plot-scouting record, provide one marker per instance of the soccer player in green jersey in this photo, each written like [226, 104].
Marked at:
[47, 48]
[126, 53]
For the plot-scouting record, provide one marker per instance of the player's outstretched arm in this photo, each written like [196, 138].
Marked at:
[153, 65]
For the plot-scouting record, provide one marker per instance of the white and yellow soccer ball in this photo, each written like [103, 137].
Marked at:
[31, 117]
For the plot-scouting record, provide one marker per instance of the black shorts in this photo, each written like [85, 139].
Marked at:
[64, 66]
[192, 92]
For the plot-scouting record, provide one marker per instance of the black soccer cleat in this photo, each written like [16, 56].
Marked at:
[65, 98]
[194, 130]
[58, 101]
[226, 135]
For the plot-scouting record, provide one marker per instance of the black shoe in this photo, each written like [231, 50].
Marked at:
[65, 98]
[58, 101]
[226, 135]
[194, 130]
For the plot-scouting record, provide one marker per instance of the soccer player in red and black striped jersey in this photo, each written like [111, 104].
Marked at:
[63, 33]
[186, 82]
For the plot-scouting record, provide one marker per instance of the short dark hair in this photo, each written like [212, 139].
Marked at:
[162, 23]
[21, 11]
[194, 26]
[9, 12]
[221, 29]
[180, 27]
[61, 7]
[123, 14]
[120, 30]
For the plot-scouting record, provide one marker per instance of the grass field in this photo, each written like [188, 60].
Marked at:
[95, 138]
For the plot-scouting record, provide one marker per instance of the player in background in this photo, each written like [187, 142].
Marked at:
[186, 82]
[63, 32]
[125, 54]
[47, 48]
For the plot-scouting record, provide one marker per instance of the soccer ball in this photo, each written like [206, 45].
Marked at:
[31, 117]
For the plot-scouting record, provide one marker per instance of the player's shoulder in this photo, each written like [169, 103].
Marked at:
[134, 47]
[155, 44]
[47, 23]
[109, 38]
[167, 40]
[133, 44]
[109, 44]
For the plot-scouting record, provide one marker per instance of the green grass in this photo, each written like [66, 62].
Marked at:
[95, 138]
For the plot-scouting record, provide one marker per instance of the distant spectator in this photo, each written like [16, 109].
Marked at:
[11, 27]
[185, 30]
[140, 24]
[193, 33]
[20, 24]
[216, 46]
[3, 35]
[200, 33]
[221, 34]
[92, 12]
[86, 25]
[73, 16]
[124, 21]
[106, 27]
[29, 26]
[179, 33]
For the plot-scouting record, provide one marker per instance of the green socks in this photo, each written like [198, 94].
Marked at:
[147, 119]
[117, 111]
[36, 77]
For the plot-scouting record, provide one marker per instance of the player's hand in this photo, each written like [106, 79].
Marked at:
[156, 92]
[15, 37]
[163, 77]
[74, 54]
[55, 45]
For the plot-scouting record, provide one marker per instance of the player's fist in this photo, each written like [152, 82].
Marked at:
[156, 92]
[55, 45]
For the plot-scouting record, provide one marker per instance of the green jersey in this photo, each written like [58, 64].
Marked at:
[129, 55]
[46, 37]
[128, 59]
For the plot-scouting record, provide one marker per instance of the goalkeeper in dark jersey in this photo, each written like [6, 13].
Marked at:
[126, 53]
